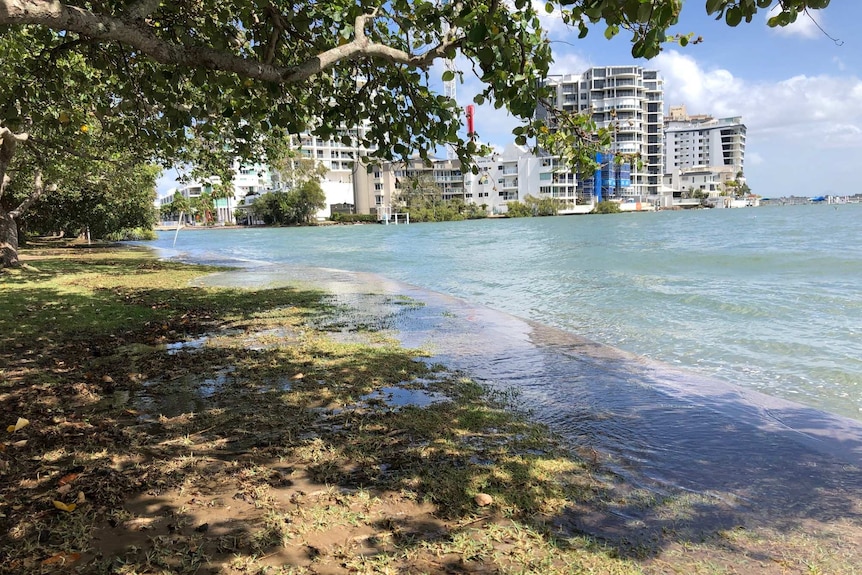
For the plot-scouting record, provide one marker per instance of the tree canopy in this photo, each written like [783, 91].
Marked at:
[205, 82]
[297, 205]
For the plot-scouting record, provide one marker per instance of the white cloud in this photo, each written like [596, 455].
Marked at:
[810, 107]
[754, 159]
[167, 181]
[568, 63]
[804, 27]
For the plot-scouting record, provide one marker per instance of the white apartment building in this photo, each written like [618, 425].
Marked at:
[700, 141]
[248, 179]
[630, 100]
[378, 186]
[338, 155]
[510, 175]
[515, 173]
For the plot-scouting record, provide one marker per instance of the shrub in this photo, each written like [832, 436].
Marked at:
[607, 207]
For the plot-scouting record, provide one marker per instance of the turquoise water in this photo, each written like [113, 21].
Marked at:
[764, 298]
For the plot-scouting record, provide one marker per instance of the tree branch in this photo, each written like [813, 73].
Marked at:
[61, 17]
[72, 151]
[38, 189]
[142, 8]
[8, 142]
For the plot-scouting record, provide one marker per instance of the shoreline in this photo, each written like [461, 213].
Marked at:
[268, 411]
[465, 335]
[655, 313]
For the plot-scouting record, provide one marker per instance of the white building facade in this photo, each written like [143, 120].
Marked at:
[515, 173]
[630, 101]
[703, 154]
[704, 142]
[248, 179]
[507, 176]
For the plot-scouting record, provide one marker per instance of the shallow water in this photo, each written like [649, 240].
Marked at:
[704, 412]
[658, 428]
[765, 298]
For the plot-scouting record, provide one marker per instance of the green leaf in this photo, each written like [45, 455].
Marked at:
[713, 6]
[733, 16]
[448, 76]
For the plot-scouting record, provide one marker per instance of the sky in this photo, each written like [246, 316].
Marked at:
[798, 91]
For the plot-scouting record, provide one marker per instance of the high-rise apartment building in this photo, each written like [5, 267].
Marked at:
[703, 141]
[630, 100]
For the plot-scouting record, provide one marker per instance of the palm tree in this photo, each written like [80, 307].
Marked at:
[180, 205]
[224, 191]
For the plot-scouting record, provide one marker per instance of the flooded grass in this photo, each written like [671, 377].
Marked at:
[211, 430]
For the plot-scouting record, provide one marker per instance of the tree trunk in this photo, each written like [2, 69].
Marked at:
[8, 240]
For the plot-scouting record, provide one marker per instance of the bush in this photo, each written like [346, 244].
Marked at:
[607, 207]
[352, 218]
[131, 234]
[532, 206]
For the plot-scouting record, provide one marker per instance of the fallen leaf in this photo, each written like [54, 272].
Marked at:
[81, 498]
[18, 425]
[68, 478]
[20, 443]
[298, 376]
[64, 506]
[62, 559]
[64, 489]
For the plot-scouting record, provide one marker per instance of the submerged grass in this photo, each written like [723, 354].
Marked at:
[202, 430]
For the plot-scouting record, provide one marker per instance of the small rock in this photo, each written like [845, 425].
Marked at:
[202, 528]
[483, 500]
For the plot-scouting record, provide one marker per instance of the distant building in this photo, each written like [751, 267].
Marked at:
[248, 179]
[379, 187]
[703, 153]
[507, 176]
[515, 173]
[698, 141]
[630, 100]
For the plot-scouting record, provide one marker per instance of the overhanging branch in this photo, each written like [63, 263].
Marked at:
[61, 17]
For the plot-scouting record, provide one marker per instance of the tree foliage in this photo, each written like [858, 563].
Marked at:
[533, 206]
[422, 198]
[607, 207]
[119, 199]
[293, 206]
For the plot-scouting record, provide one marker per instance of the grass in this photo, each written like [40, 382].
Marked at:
[208, 430]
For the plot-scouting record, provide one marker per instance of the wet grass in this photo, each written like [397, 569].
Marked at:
[204, 430]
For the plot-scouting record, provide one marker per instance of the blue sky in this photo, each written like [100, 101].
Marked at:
[798, 92]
